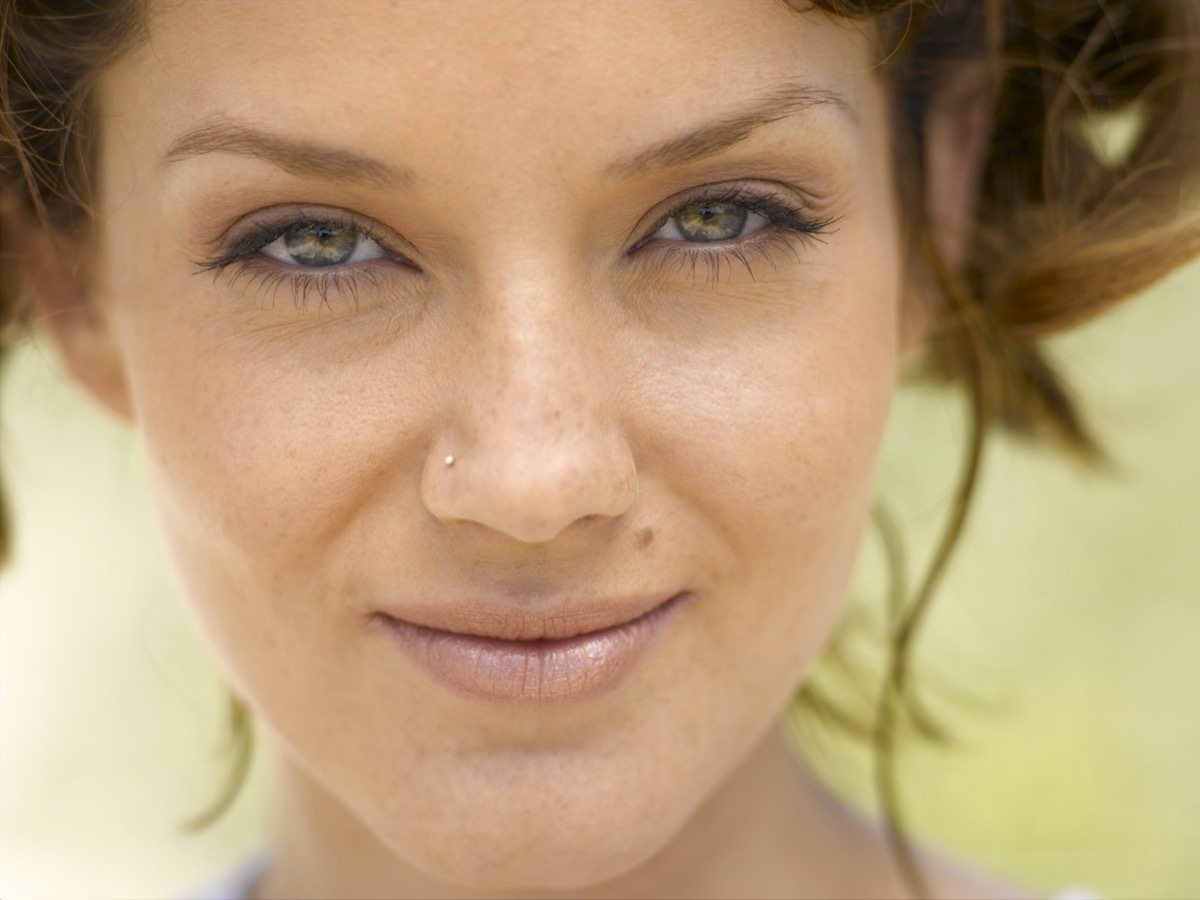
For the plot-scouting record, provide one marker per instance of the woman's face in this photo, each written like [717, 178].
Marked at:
[634, 267]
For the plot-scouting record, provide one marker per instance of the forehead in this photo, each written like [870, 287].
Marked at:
[520, 84]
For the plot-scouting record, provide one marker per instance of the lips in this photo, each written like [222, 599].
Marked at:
[505, 657]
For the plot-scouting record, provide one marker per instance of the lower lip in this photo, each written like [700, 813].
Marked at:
[531, 673]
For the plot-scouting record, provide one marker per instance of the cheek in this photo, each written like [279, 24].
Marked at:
[236, 444]
[777, 451]
[780, 440]
[260, 445]
[263, 461]
[253, 435]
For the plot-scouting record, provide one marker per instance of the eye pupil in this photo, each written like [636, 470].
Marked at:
[320, 245]
[711, 221]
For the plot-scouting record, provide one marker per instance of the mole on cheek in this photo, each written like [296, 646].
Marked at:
[644, 538]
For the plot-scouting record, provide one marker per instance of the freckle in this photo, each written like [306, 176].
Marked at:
[644, 538]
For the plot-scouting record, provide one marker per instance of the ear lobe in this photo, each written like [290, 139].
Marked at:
[958, 129]
[957, 133]
[53, 284]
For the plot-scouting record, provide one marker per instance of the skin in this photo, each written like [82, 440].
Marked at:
[618, 425]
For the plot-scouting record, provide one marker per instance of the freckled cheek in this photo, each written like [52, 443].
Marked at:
[272, 464]
[789, 483]
[790, 437]
[779, 456]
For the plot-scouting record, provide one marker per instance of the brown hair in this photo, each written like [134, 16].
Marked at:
[53, 53]
[1063, 229]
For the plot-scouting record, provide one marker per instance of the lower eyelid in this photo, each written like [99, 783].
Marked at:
[707, 265]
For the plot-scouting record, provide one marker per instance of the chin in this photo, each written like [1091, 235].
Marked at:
[556, 841]
[549, 870]
[538, 860]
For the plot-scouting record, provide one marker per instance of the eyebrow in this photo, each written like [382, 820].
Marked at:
[315, 160]
[783, 102]
[299, 157]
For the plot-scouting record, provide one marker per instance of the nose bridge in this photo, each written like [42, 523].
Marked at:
[545, 323]
[540, 440]
[536, 369]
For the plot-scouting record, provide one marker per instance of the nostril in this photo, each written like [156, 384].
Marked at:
[531, 493]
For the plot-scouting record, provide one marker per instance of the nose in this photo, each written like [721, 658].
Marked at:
[535, 445]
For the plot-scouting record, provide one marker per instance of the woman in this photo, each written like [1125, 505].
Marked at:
[512, 377]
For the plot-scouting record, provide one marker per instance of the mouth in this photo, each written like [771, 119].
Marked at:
[507, 659]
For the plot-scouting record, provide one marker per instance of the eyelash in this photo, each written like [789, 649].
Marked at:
[250, 266]
[788, 225]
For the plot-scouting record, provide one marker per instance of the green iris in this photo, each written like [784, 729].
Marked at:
[321, 245]
[711, 221]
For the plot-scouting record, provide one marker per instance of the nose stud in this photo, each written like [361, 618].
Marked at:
[449, 461]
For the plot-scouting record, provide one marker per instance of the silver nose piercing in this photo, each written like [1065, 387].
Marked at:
[449, 460]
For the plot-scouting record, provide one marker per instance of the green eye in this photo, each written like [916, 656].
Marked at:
[711, 221]
[320, 245]
[315, 245]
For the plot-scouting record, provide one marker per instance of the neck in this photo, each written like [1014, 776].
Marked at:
[770, 830]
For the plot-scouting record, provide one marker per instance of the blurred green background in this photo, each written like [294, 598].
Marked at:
[1063, 651]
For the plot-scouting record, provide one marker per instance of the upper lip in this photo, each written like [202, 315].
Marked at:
[506, 620]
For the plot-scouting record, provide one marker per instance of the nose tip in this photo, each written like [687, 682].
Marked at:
[532, 492]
